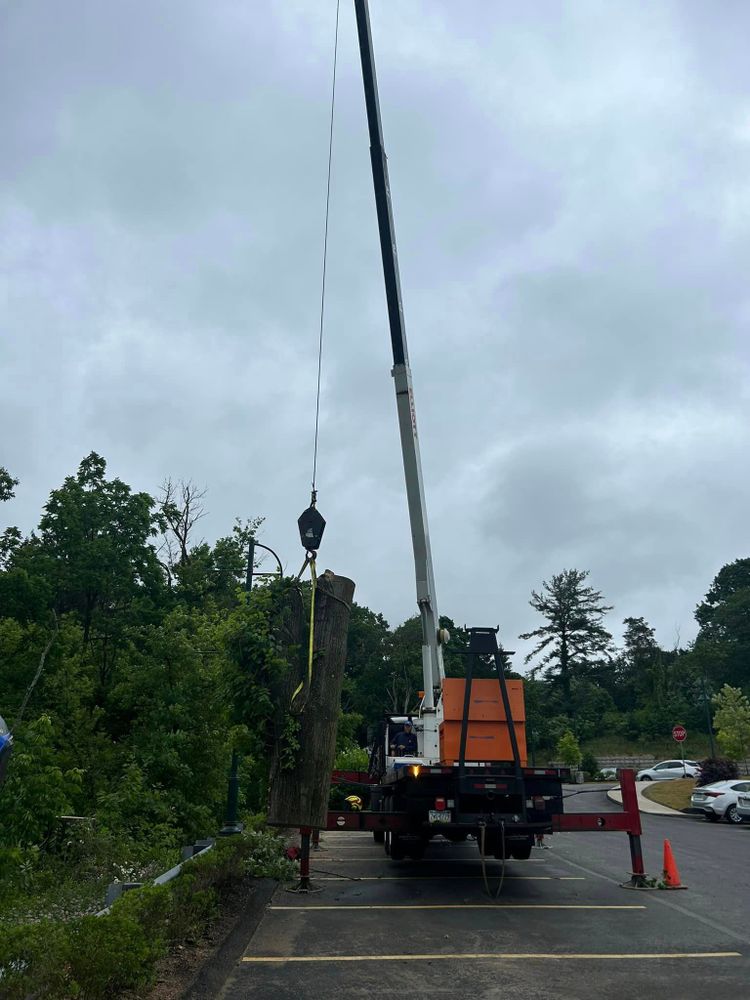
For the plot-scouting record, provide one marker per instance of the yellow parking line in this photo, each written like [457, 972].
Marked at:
[442, 878]
[437, 861]
[496, 956]
[465, 906]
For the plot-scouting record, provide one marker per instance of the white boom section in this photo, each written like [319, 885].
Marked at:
[432, 657]
[432, 653]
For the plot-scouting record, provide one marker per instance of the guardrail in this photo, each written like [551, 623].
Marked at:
[116, 889]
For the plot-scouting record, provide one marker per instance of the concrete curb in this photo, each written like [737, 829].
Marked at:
[214, 973]
[645, 805]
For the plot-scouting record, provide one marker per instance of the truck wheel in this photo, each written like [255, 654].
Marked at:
[493, 846]
[521, 850]
[397, 848]
[378, 836]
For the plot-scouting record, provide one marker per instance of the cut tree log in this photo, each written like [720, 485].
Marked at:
[300, 778]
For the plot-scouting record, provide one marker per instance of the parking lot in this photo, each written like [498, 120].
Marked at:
[560, 928]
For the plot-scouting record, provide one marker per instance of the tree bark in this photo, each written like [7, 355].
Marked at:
[300, 780]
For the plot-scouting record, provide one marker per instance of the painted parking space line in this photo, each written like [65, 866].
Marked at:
[442, 878]
[360, 907]
[498, 957]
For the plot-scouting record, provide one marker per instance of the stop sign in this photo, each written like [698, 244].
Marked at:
[679, 733]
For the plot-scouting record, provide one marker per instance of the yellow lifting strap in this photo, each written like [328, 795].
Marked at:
[309, 561]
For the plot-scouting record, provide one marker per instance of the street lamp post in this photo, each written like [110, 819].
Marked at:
[251, 547]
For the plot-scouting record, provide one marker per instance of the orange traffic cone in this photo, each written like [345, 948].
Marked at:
[671, 877]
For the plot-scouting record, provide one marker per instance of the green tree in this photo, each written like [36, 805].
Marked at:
[568, 750]
[636, 661]
[724, 620]
[573, 635]
[38, 790]
[7, 484]
[95, 554]
[11, 537]
[732, 722]
[405, 679]
[368, 660]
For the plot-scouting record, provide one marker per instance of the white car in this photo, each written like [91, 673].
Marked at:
[720, 800]
[669, 769]
[743, 805]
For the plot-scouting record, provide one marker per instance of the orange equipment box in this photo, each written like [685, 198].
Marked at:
[487, 737]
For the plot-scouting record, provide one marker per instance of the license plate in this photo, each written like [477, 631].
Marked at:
[440, 816]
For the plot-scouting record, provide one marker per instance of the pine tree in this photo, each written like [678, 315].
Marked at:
[573, 635]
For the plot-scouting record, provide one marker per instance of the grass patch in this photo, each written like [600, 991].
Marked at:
[663, 748]
[674, 793]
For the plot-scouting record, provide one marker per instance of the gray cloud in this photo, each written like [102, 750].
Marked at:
[571, 202]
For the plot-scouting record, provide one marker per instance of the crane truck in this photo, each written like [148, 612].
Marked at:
[467, 771]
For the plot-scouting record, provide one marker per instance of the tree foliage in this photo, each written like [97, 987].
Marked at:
[158, 665]
[732, 721]
[568, 749]
[724, 620]
[572, 636]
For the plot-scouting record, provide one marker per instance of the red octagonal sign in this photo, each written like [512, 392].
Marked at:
[679, 733]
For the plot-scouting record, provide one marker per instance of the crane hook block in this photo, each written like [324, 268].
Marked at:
[311, 525]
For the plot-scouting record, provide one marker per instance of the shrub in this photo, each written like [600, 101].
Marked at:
[352, 758]
[589, 765]
[716, 769]
[33, 961]
[93, 958]
[266, 858]
[112, 953]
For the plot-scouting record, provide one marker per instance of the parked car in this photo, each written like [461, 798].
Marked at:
[610, 773]
[721, 800]
[669, 769]
[743, 805]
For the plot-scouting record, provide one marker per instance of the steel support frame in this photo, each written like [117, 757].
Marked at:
[367, 821]
[627, 821]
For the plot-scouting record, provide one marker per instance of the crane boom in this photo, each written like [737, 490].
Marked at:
[432, 655]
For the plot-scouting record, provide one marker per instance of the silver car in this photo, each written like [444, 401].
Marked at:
[720, 799]
[669, 769]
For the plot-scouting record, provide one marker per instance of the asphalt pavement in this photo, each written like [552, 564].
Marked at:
[561, 928]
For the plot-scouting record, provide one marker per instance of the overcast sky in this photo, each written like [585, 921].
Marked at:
[571, 188]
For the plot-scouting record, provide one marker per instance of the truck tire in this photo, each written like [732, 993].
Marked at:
[397, 851]
[378, 836]
[520, 850]
[493, 845]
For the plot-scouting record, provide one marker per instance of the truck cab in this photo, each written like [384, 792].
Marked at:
[387, 756]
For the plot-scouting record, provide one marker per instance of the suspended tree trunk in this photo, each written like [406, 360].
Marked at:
[300, 777]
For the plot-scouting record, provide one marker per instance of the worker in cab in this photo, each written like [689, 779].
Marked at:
[405, 742]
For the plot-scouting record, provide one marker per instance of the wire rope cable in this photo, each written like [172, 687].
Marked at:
[325, 252]
[482, 831]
